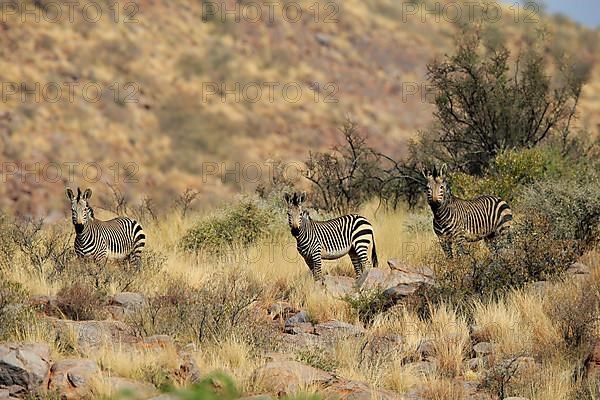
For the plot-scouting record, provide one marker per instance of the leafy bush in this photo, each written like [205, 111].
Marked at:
[510, 172]
[368, 304]
[242, 224]
[487, 105]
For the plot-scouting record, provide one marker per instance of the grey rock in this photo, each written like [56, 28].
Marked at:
[71, 378]
[288, 377]
[301, 317]
[355, 390]
[301, 327]
[128, 300]
[578, 268]
[338, 329]
[323, 39]
[483, 348]
[25, 366]
[141, 390]
[339, 286]
[426, 348]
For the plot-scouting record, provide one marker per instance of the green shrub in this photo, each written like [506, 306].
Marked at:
[242, 223]
[510, 172]
[367, 304]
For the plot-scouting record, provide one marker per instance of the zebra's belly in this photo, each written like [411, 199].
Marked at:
[334, 254]
[115, 256]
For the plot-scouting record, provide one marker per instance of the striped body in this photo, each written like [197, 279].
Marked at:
[329, 240]
[120, 238]
[456, 221]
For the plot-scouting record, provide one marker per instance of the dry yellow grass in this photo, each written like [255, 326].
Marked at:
[518, 323]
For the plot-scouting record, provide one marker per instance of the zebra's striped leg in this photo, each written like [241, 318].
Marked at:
[355, 262]
[446, 247]
[460, 245]
[316, 268]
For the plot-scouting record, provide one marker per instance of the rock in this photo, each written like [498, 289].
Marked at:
[288, 377]
[396, 293]
[378, 278]
[354, 390]
[301, 327]
[157, 342]
[475, 364]
[281, 310]
[323, 39]
[479, 334]
[139, 390]
[24, 367]
[428, 367]
[93, 334]
[71, 378]
[301, 317]
[592, 361]
[338, 329]
[578, 268]
[426, 348]
[398, 265]
[483, 348]
[339, 286]
[304, 340]
[128, 300]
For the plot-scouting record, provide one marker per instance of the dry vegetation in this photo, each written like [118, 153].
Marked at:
[169, 52]
[218, 302]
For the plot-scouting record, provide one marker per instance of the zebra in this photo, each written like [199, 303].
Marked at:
[458, 221]
[329, 240]
[119, 238]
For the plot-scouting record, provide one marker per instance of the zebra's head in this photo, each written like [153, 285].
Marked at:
[438, 190]
[296, 213]
[81, 212]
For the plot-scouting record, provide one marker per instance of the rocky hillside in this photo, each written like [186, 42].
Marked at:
[157, 96]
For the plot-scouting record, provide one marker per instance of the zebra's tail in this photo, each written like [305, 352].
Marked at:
[374, 255]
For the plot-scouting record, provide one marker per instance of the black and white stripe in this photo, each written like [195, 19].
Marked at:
[332, 239]
[458, 221]
[118, 238]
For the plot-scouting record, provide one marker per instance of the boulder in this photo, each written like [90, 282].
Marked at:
[134, 389]
[94, 334]
[281, 310]
[378, 278]
[24, 368]
[288, 377]
[300, 317]
[337, 329]
[426, 348]
[339, 286]
[592, 361]
[354, 390]
[128, 300]
[302, 327]
[71, 378]
[483, 348]
[578, 268]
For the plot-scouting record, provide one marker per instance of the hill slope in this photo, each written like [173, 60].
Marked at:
[171, 129]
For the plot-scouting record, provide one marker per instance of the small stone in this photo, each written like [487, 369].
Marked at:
[578, 268]
[483, 348]
[302, 327]
[338, 328]
[301, 317]
[426, 348]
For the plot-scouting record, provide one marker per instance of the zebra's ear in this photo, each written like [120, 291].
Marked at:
[70, 194]
[286, 197]
[443, 170]
[301, 197]
[87, 194]
[425, 172]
